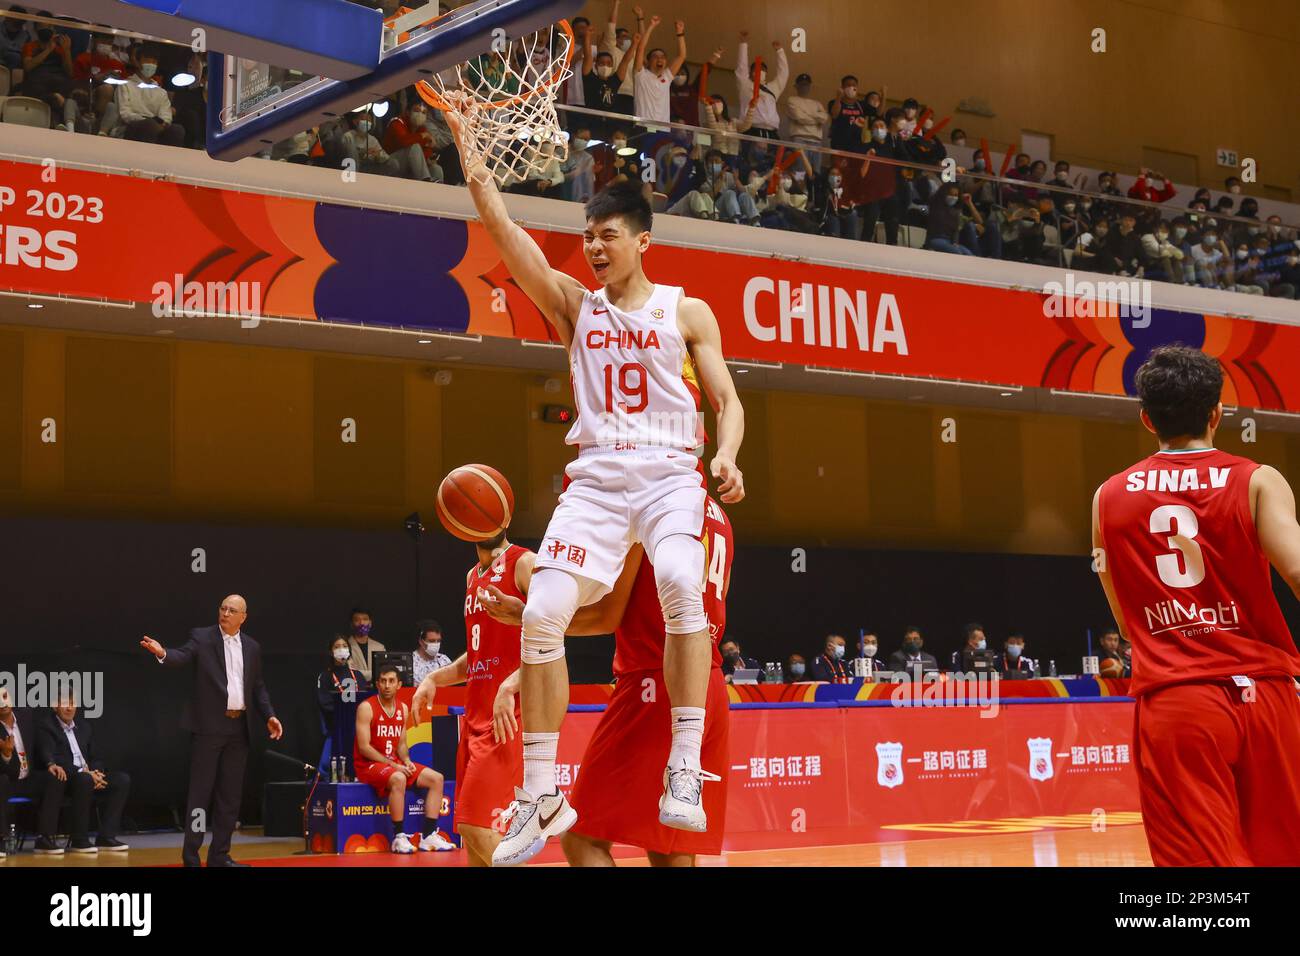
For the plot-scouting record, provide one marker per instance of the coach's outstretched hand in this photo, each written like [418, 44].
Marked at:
[502, 607]
[731, 487]
[153, 647]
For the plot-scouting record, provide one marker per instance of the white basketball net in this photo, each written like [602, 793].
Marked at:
[510, 130]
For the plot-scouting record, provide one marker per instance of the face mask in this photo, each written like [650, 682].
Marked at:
[432, 647]
[869, 650]
[850, 92]
[1211, 222]
[1210, 238]
[1180, 232]
[418, 120]
[715, 168]
[1242, 253]
[103, 49]
[1069, 207]
[1013, 650]
[834, 182]
[796, 670]
[879, 134]
[361, 629]
[762, 78]
[950, 200]
[838, 652]
[979, 165]
[624, 43]
[1023, 168]
[733, 656]
[341, 654]
[1235, 189]
[679, 81]
[981, 645]
[580, 144]
[911, 647]
[1062, 176]
[679, 161]
[1162, 236]
[604, 72]
[799, 175]
[147, 70]
[1087, 204]
[1253, 230]
[363, 126]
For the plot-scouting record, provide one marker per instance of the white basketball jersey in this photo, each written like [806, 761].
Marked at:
[633, 379]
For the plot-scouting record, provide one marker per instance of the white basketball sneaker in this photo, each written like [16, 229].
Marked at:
[681, 807]
[435, 842]
[402, 845]
[532, 823]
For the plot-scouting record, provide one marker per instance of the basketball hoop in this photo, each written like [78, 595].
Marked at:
[506, 101]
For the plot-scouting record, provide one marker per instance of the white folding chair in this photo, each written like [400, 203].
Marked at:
[25, 111]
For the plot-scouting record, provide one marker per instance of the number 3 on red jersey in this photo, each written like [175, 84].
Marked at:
[1191, 570]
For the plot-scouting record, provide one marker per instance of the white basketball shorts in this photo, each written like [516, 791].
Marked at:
[616, 499]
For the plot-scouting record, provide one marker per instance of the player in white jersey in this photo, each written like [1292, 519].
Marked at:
[640, 355]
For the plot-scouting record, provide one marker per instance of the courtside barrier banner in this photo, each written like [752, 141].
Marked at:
[824, 775]
[176, 247]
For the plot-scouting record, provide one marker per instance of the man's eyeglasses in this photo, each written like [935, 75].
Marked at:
[227, 609]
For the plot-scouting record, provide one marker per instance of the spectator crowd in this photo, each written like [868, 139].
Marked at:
[758, 158]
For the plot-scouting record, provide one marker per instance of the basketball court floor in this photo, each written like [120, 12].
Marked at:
[1023, 842]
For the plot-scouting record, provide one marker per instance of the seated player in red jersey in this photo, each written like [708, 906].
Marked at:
[382, 760]
[618, 791]
[490, 758]
[1185, 539]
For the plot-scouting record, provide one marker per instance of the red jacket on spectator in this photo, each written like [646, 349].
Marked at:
[1141, 190]
[82, 67]
[399, 136]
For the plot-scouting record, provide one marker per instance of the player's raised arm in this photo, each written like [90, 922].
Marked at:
[453, 673]
[1275, 520]
[700, 329]
[1103, 568]
[558, 296]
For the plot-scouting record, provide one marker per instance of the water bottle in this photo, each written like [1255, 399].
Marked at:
[334, 769]
[775, 675]
[1051, 668]
[11, 841]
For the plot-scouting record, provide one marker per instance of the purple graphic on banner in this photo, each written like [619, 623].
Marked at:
[391, 269]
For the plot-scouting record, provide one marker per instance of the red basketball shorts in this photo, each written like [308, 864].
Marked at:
[486, 776]
[378, 774]
[1219, 773]
[617, 791]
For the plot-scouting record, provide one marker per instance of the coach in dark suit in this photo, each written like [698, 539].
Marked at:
[67, 746]
[228, 706]
[910, 657]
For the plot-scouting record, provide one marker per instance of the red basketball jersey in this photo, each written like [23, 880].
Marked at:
[491, 648]
[386, 732]
[639, 639]
[1189, 573]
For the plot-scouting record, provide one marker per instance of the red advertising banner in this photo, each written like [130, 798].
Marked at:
[817, 776]
[77, 233]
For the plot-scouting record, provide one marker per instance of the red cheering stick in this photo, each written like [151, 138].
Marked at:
[1006, 160]
[758, 73]
[938, 126]
[777, 169]
[704, 83]
[920, 120]
[988, 157]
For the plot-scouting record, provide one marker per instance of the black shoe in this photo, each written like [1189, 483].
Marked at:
[111, 845]
[228, 863]
[83, 846]
[47, 847]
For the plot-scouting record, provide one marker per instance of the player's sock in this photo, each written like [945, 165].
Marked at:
[539, 763]
[688, 734]
[429, 826]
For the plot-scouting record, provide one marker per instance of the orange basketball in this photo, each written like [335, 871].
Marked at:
[475, 502]
[1110, 667]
